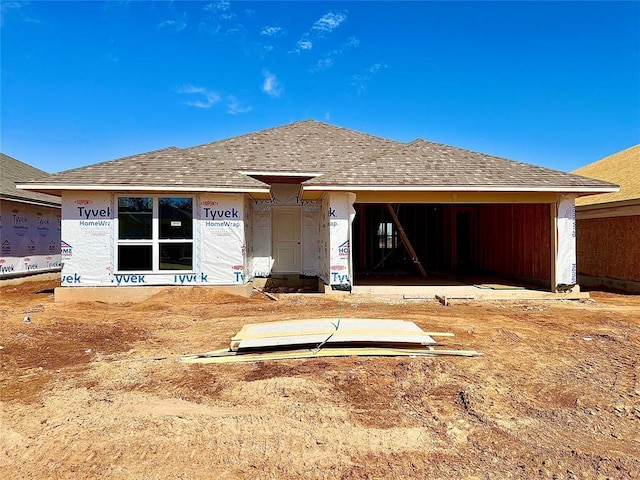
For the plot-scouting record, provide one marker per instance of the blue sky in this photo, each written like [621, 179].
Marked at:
[551, 83]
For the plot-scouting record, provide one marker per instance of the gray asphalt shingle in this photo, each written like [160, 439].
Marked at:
[338, 157]
[169, 167]
[14, 171]
[307, 146]
[421, 163]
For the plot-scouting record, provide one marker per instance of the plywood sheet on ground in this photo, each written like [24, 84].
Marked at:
[329, 331]
[225, 356]
[498, 286]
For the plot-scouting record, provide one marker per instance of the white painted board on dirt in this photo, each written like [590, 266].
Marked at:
[330, 331]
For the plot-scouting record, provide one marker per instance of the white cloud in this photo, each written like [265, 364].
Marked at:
[15, 10]
[271, 86]
[221, 5]
[323, 26]
[221, 9]
[220, 19]
[271, 31]
[328, 60]
[322, 64]
[204, 98]
[361, 80]
[304, 45]
[234, 107]
[178, 25]
[352, 42]
[329, 22]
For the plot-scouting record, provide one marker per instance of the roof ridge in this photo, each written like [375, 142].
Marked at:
[297, 122]
[249, 133]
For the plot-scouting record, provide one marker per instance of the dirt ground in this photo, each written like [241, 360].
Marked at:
[91, 390]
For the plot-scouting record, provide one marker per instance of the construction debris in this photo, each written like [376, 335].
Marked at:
[446, 299]
[324, 337]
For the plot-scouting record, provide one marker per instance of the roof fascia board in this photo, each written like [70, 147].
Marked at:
[148, 188]
[608, 211]
[29, 201]
[266, 173]
[614, 204]
[465, 188]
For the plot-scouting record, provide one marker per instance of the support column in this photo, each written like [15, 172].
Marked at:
[341, 214]
[565, 264]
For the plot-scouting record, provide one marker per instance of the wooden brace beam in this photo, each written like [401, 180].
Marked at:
[405, 240]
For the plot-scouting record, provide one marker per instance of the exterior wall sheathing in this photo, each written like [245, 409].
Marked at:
[609, 248]
[515, 241]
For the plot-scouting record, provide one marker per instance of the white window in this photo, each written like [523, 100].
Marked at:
[387, 236]
[155, 234]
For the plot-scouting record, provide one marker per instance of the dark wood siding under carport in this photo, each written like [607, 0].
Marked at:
[507, 240]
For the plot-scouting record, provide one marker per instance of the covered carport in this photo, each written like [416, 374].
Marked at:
[430, 214]
[468, 242]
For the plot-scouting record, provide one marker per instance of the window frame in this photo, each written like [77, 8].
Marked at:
[155, 241]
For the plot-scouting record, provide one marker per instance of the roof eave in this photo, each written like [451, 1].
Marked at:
[51, 188]
[583, 190]
[30, 201]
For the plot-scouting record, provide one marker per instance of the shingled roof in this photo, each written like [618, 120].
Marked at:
[301, 147]
[423, 165]
[14, 171]
[338, 158]
[622, 168]
[169, 169]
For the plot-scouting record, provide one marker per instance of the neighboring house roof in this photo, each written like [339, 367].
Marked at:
[301, 147]
[422, 165]
[14, 171]
[169, 169]
[622, 168]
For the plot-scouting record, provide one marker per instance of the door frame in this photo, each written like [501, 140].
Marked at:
[274, 211]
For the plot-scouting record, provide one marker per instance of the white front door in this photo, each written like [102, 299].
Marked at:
[286, 239]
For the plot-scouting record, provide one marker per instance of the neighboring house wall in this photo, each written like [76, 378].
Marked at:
[608, 225]
[609, 252]
[29, 238]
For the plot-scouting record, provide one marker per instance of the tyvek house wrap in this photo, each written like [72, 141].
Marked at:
[89, 239]
[566, 258]
[29, 238]
[248, 239]
[340, 218]
[222, 239]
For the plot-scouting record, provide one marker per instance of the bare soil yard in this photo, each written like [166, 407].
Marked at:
[92, 390]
